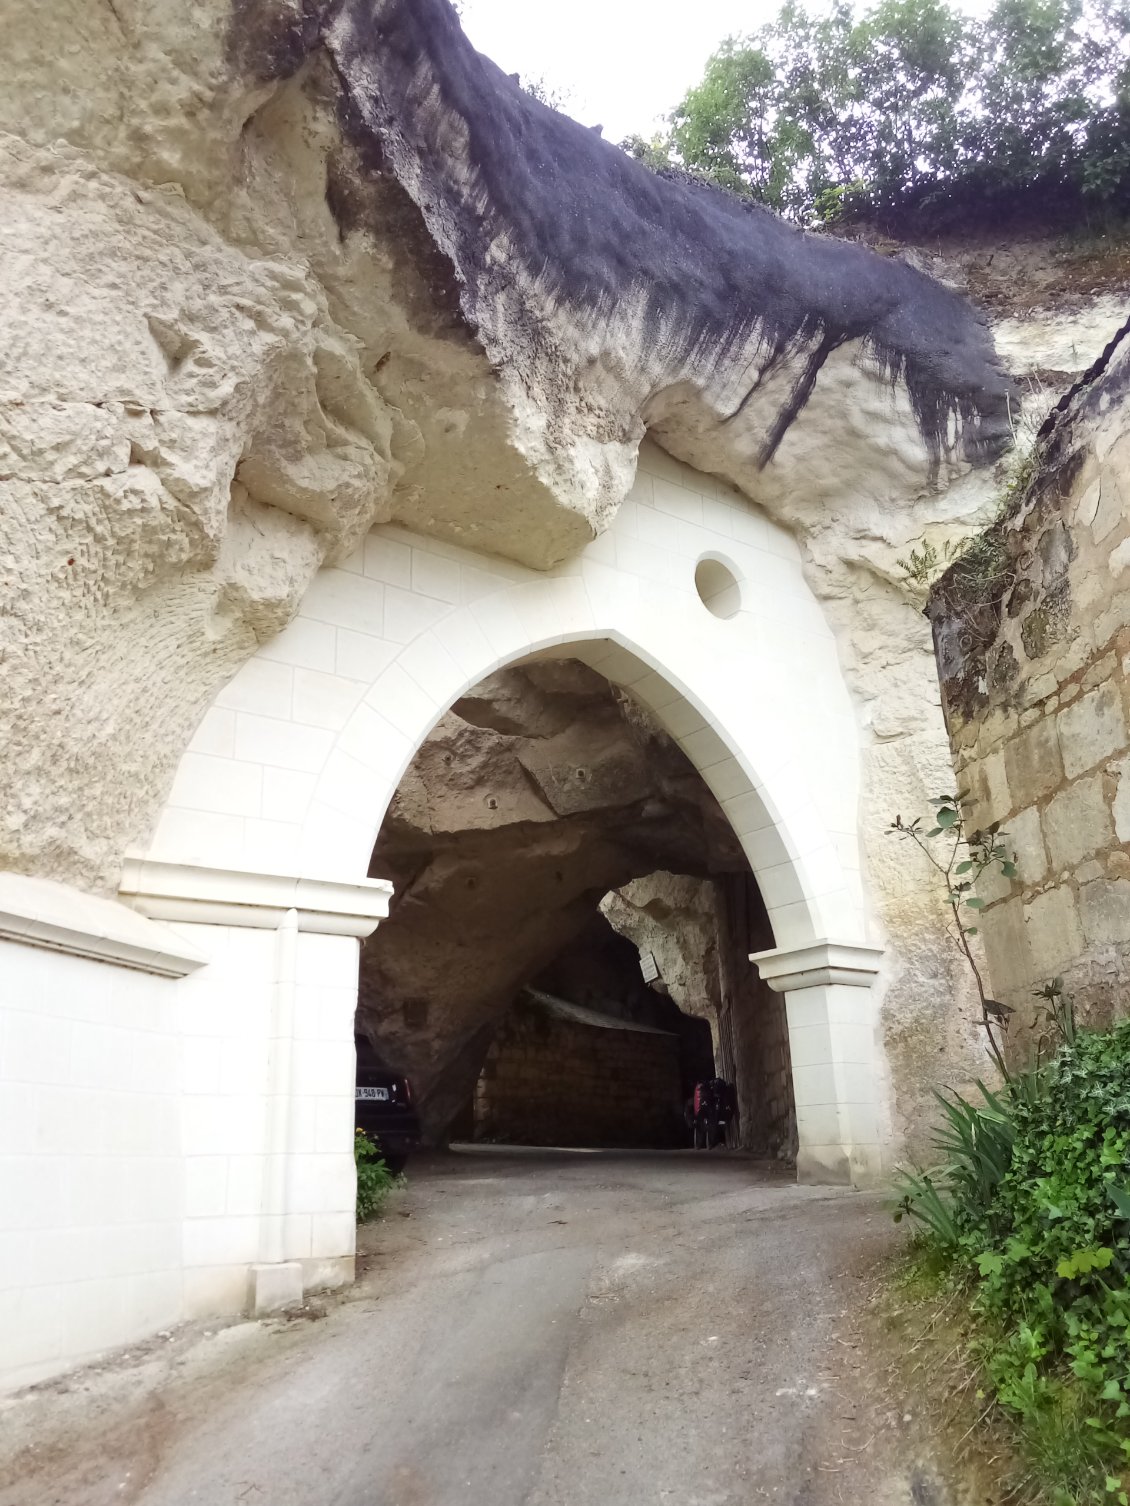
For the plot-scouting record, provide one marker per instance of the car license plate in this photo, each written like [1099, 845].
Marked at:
[380, 1094]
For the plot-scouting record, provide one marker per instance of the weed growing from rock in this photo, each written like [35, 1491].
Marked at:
[374, 1180]
[961, 859]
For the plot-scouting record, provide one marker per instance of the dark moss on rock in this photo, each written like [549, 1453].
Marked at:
[584, 225]
[548, 237]
[271, 39]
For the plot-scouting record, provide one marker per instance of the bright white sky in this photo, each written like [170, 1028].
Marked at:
[623, 63]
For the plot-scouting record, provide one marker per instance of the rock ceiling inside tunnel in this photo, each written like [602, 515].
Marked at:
[539, 792]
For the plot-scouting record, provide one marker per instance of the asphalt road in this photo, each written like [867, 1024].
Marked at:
[529, 1329]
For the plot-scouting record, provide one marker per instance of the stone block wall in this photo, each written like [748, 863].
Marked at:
[1035, 671]
[553, 1080]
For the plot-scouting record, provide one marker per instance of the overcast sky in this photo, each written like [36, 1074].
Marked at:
[626, 62]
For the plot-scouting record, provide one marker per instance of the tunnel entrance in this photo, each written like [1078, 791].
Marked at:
[590, 1054]
[567, 949]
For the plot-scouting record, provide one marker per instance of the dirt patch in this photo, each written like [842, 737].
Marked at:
[920, 1339]
[1017, 271]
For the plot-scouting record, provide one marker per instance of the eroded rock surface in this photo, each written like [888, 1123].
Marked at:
[178, 457]
[536, 795]
[275, 271]
[674, 916]
[701, 932]
[585, 279]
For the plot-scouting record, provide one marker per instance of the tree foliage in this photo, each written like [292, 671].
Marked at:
[915, 110]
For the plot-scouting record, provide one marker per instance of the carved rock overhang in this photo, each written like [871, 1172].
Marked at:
[608, 301]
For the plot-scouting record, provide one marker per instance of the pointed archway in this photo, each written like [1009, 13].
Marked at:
[275, 808]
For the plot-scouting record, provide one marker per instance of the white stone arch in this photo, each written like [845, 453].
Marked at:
[279, 799]
[293, 768]
[773, 815]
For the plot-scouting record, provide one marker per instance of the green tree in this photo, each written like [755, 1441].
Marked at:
[915, 107]
[722, 126]
[912, 65]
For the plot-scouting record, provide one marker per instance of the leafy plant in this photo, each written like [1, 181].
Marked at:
[374, 1180]
[964, 858]
[1031, 1207]
[925, 1200]
[548, 93]
[924, 564]
[1055, 1021]
[974, 1143]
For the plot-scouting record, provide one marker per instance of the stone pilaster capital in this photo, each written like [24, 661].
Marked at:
[818, 964]
[228, 897]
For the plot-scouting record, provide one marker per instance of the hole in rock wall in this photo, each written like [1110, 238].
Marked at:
[506, 982]
[717, 587]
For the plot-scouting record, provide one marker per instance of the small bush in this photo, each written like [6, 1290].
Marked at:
[374, 1180]
[1031, 1205]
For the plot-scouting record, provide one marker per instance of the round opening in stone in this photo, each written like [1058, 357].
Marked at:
[717, 588]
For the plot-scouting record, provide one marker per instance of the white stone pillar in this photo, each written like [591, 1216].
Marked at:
[275, 1281]
[287, 1010]
[829, 1004]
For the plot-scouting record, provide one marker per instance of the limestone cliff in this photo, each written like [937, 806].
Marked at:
[274, 271]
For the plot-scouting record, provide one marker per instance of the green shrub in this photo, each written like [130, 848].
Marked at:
[1032, 1205]
[374, 1180]
[974, 1142]
[1055, 1256]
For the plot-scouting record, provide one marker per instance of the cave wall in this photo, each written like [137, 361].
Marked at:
[253, 304]
[578, 1078]
[701, 932]
[752, 1023]
[1033, 653]
[600, 969]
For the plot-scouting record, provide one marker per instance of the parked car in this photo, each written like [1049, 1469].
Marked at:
[383, 1109]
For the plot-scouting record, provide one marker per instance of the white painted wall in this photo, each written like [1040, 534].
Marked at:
[92, 1177]
[139, 1139]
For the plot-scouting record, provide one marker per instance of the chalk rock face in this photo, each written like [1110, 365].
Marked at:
[538, 793]
[275, 270]
[701, 932]
[609, 299]
[179, 456]
[674, 916]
